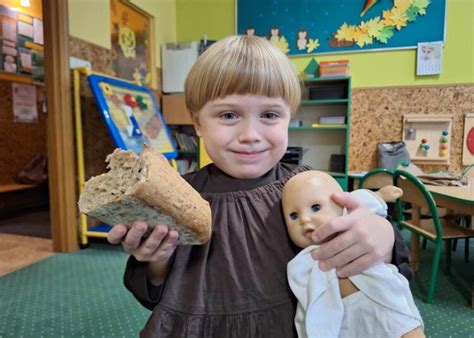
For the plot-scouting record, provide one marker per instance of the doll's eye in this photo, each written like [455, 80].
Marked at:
[315, 207]
[294, 216]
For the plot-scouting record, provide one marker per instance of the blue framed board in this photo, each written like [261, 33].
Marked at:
[305, 27]
[132, 115]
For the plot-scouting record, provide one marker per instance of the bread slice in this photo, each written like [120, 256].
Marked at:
[147, 188]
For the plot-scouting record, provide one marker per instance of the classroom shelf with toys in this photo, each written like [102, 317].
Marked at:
[321, 126]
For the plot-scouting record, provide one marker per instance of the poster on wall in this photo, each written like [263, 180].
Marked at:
[132, 43]
[24, 103]
[304, 27]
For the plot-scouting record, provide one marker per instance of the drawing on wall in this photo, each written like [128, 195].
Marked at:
[301, 27]
[132, 43]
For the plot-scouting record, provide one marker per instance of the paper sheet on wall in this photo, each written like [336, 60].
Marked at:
[429, 58]
[38, 31]
[24, 103]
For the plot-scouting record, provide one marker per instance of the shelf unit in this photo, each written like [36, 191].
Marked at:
[325, 146]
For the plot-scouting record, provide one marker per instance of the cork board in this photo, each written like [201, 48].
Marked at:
[19, 142]
[376, 116]
[97, 142]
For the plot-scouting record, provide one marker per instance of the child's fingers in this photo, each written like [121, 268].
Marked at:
[166, 248]
[331, 228]
[345, 200]
[116, 234]
[360, 264]
[329, 251]
[134, 236]
[151, 243]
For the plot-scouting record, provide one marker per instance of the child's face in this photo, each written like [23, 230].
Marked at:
[244, 135]
[307, 204]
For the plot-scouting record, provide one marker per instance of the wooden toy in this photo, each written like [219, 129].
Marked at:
[428, 138]
[468, 140]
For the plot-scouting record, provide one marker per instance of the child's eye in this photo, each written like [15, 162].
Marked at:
[294, 216]
[315, 207]
[228, 115]
[270, 115]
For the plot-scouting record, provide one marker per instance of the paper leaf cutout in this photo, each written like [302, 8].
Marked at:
[385, 34]
[282, 44]
[312, 45]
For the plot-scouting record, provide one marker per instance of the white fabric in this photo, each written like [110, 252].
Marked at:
[384, 307]
[369, 200]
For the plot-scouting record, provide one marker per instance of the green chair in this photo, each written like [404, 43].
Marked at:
[376, 179]
[434, 229]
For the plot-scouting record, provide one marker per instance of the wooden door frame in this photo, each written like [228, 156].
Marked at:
[60, 127]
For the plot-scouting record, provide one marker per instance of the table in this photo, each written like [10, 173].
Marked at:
[458, 199]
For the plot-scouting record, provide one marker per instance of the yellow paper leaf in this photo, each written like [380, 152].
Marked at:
[345, 33]
[374, 26]
[312, 45]
[282, 44]
[403, 5]
[364, 39]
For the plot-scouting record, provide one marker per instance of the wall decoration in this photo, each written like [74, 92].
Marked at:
[132, 43]
[302, 27]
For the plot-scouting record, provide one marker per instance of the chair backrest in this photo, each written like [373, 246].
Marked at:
[409, 167]
[416, 193]
[468, 171]
[376, 179]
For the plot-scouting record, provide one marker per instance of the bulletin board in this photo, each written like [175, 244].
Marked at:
[132, 115]
[21, 39]
[428, 138]
[303, 27]
[132, 43]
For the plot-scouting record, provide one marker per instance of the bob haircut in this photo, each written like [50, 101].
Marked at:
[243, 65]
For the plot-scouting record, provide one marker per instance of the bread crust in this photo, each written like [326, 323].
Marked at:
[159, 196]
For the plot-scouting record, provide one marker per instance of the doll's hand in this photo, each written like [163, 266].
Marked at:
[156, 248]
[362, 239]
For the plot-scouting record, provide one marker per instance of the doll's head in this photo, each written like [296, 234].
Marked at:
[307, 204]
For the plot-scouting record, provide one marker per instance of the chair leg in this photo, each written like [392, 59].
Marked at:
[434, 273]
[448, 246]
[466, 250]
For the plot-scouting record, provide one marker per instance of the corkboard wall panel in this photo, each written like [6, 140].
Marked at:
[376, 116]
[19, 142]
[97, 142]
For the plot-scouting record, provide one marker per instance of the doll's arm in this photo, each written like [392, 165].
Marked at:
[389, 193]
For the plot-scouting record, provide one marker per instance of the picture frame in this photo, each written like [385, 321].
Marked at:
[133, 43]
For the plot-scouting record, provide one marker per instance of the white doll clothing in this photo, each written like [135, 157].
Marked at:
[369, 200]
[383, 307]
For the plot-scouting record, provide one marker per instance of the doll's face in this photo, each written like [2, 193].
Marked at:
[307, 204]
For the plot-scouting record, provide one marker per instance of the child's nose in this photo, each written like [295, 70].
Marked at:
[249, 133]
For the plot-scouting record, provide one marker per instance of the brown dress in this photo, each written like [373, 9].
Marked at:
[235, 285]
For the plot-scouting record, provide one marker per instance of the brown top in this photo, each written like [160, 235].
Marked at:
[235, 285]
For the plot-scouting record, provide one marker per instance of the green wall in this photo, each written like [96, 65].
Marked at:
[216, 19]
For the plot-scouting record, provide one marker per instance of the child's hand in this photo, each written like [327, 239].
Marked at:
[362, 239]
[156, 248]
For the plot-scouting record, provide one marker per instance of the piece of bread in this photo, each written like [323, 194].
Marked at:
[147, 188]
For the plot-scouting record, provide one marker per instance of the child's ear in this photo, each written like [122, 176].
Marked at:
[197, 124]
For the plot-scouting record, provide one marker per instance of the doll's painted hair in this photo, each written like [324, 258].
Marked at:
[243, 65]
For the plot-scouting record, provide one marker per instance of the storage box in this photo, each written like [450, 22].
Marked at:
[337, 163]
[328, 92]
[293, 155]
[332, 120]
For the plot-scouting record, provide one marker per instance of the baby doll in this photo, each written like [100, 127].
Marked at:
[375, 303]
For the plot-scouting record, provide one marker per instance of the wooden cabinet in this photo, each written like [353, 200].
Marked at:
[321, 127]
[174, 110]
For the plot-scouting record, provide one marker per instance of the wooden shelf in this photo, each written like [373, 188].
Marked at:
[15, 187]
[307, 102]
[341, 127]
[14, 77]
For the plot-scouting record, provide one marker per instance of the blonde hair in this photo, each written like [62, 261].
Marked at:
[244, 65]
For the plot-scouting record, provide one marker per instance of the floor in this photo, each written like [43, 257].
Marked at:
[24, 240]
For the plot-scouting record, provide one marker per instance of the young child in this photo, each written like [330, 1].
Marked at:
[374, 303]
[241, 92]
